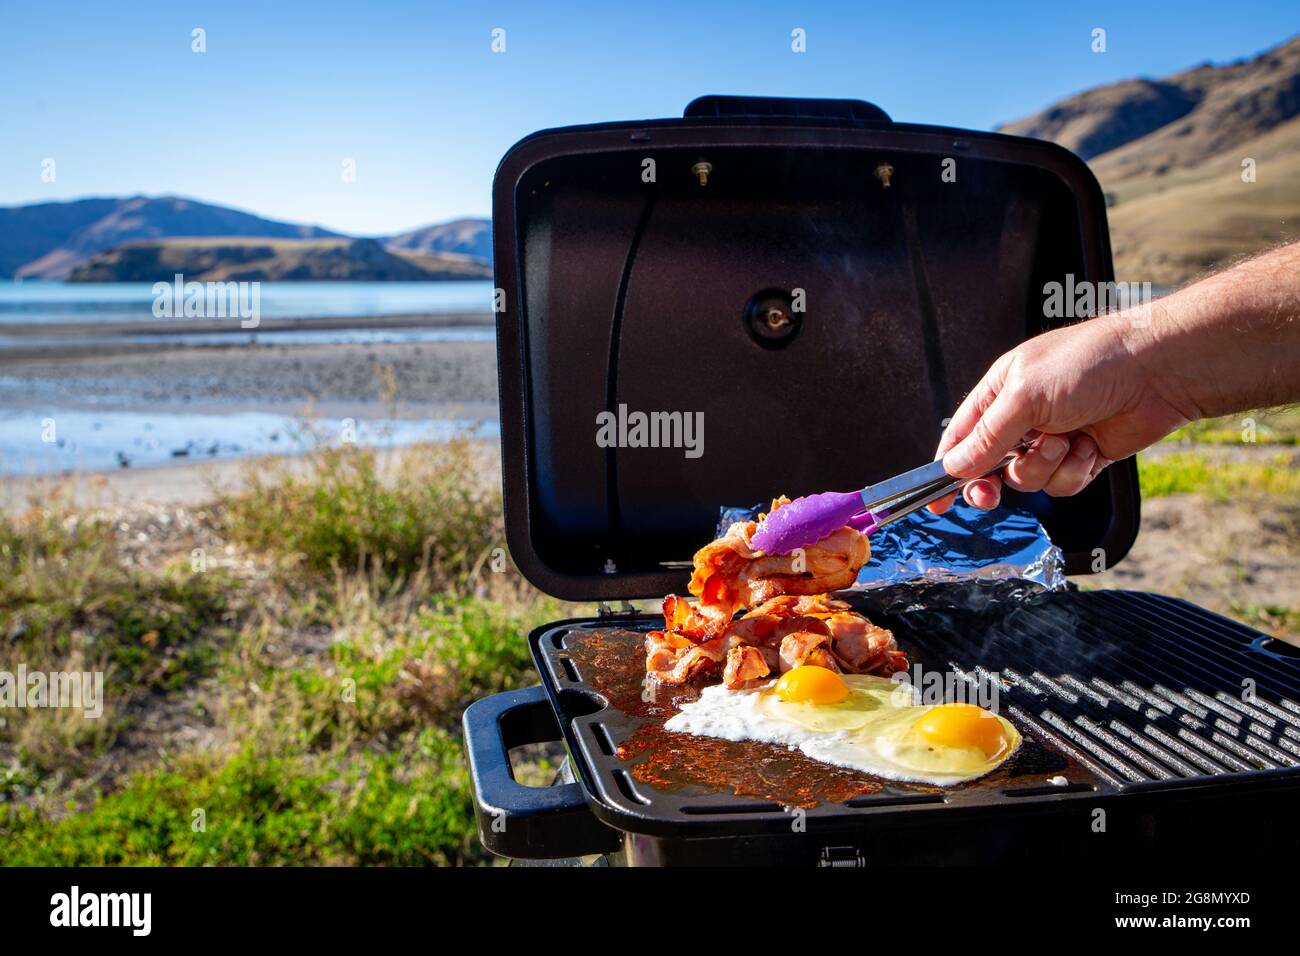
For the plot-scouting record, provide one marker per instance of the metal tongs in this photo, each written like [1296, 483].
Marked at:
[807, 520]
[911, 491]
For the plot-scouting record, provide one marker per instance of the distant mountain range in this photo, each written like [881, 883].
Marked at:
[142, 238]
[287, 260]
[1169, 153]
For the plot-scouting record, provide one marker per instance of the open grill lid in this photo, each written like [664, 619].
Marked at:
[763, 297]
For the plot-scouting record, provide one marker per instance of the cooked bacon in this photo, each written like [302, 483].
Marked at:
[768, 630]
[730, 574]
[681, 617]
[792, 621]
[673, 659]
[745, 664]
[805, 647]
[863, 648]
[798, 605]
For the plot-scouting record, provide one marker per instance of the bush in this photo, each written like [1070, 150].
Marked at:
[338, 508]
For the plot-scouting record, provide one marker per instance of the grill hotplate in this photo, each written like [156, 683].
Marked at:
[1122, 697]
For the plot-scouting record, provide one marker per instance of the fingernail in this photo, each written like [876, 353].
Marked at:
[1053, 448]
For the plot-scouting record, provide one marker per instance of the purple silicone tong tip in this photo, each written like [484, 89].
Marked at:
[806, 521]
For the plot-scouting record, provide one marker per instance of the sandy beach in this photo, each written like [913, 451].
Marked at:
[252, 369]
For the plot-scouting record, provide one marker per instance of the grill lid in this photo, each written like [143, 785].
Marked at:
[763, 296]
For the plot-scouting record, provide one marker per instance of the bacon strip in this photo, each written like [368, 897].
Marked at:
[730, 574]
[861, 647]
[673, 659]
[746, 664]
[806, 647]
[791, 622]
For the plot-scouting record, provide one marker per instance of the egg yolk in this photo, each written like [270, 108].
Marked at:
[963, 725]
[817, 685]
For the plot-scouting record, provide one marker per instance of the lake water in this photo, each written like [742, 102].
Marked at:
[70, 440]
[33, 302]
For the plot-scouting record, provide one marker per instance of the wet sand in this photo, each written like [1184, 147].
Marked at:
[117, 372]
[414, 374]
[147, 403]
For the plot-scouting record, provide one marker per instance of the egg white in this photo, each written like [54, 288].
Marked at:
[873, 730]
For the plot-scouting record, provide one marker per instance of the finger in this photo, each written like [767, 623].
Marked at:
[942, 505]
[1100, 465]
[997, 431]
[1032, 469]
[1075, 470]
[964, 419]
[972, 407]
[983, 493]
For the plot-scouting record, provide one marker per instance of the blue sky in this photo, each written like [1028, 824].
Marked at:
[413, 93]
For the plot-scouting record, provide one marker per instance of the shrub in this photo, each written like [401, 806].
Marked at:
[430, 513]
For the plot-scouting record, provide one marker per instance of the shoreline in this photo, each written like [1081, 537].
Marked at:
[186, 483]
[53, 341]
[183, 377]
[431, 320]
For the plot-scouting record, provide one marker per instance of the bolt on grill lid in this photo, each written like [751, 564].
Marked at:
[765, 296]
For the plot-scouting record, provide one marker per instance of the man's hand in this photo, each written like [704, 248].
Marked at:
[1084, 395]
[1104, 389]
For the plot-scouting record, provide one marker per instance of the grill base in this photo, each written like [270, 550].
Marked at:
[1151, 727]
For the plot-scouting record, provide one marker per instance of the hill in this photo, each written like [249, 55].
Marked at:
[469, 237]
[247, 259]
[1169, 155]
[49, 240]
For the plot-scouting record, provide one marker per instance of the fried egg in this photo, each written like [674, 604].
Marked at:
[857, 721]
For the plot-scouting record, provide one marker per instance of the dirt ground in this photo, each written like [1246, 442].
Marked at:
[1239, 557]
[1222, 555]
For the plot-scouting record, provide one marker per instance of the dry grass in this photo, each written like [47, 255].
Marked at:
[355, 610]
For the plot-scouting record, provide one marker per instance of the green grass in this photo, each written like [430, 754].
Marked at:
[63, 587]
[352, 758]
[408, 805]
[334, 674]
[69, 601]
[1269, 618]
[1268, 427]
[387, 678]
[1192, 473]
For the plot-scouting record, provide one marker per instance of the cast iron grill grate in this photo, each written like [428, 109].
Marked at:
[1136, 687]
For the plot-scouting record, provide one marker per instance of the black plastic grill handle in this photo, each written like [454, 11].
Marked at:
[530, 823]
[789, 107]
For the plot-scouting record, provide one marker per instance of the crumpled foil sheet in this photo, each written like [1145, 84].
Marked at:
[1005, 549]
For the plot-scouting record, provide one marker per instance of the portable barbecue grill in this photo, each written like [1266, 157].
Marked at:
[824, 284]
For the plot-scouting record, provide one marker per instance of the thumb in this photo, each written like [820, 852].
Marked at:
[1004, 423]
